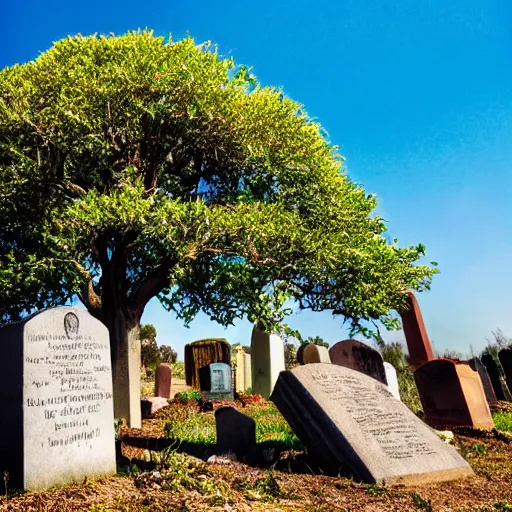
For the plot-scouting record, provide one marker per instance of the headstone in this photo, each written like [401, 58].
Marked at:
[392, 379]
[498, 383]
[267, 361]
[215, 380]
[240, 385]
[505, 356]
[351, 421]
[57, 420]
[452, 395]
[126, 381]
[236, 432]
[243, 370]
[163, 380]
[202, 353]
[418, 344]
[477, 365]
[300, 353]
[248, 372]
[315, 354]
[152, 404]
[358, 356]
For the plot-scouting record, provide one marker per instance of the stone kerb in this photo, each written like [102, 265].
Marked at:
[57, 421]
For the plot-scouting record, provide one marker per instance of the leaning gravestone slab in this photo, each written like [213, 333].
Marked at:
[57, 421]
[349, 420]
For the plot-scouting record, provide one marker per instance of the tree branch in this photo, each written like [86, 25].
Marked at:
[157, 280]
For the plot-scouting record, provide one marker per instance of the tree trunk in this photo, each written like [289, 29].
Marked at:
[125, 349]
[123, 325]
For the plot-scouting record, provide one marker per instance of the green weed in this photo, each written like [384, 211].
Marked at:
[374, 490]
[503, 421]
[421, 503]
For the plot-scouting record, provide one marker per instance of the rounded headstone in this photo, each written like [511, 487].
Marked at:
[315, 354]
[57, 422]
[358, 356]
[267, 361]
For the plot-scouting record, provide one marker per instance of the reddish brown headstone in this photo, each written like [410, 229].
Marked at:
[358, 356]
[300, 354]
[418, 344]
[452, 395]
[163, 381]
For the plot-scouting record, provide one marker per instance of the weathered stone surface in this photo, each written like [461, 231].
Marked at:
[392, 380]
[243, 370]
[215, 380]
[267, 361]
[351, 421]
[505, 356]
[315, 354]
[57, 421]
[358, 356]
[248, 371]
[477, 365]
[418, 344]
[498, 382]
[151, 404]
[452, 395]
[126, 381]
[236, 432]
[163, 379]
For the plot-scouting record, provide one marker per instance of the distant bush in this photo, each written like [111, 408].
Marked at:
[178, 370]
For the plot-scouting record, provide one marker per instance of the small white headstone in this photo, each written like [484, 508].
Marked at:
[215, 381]
[267, 358]
[392, 379]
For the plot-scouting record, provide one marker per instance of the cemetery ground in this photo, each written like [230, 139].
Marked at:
[163, 468]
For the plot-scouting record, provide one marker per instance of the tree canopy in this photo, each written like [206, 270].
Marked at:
[134, 166]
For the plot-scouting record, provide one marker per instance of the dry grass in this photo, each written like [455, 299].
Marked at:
[188, 484]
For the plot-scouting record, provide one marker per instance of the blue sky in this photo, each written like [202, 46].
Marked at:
[417, 94]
